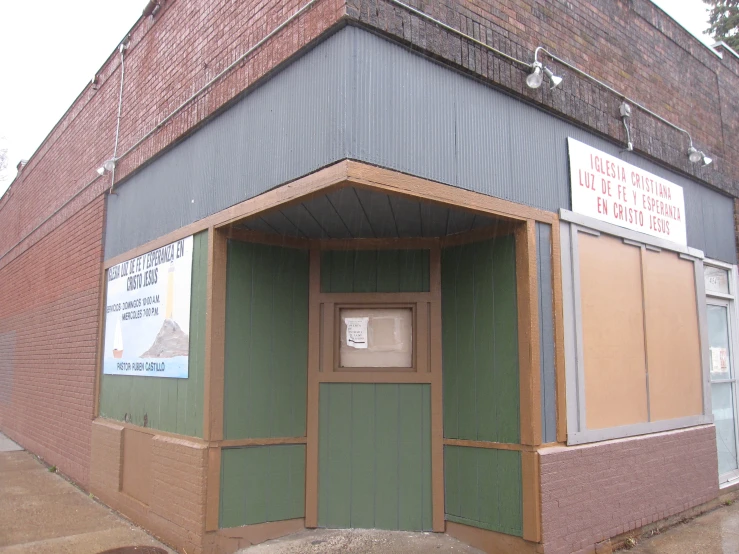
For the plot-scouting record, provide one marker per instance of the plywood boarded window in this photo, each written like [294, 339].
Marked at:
[612, 332]
[673, 340]
[640, 336]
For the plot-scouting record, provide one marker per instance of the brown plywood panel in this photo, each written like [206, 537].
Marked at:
[612, 332]
[673, 340]
[135, 480]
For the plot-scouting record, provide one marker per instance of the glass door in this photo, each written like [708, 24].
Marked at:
[721, 340]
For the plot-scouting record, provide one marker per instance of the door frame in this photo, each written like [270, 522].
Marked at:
[729, 302]
[321, 370]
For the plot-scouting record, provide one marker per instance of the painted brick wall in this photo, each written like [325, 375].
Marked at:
[177, 506]
[594, 492]
[54, 209]
[178, 469]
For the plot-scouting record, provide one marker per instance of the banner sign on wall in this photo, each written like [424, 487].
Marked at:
[611, 190]
[147, 307]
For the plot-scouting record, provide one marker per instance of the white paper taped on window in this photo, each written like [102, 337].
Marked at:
[356, 331]
[376, 337]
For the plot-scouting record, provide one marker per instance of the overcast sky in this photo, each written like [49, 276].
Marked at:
[50, 50]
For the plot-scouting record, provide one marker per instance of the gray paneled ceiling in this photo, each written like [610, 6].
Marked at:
[360, 213]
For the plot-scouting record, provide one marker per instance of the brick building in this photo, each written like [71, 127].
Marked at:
[426, 289]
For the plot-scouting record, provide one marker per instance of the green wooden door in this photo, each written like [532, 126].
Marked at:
[375, 456]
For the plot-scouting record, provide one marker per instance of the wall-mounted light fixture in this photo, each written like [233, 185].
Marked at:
[694, 155]
[625, 111]
[536, 77]
[108, 165]
[697, 156]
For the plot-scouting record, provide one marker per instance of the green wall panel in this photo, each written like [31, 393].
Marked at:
[375, 456]
[375, 271]
[480, 341]
[482, 488]
[266, 341]
[261, 484]
[173, 405]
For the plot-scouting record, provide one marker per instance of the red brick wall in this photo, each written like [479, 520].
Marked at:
[50, 298]
[594, 492]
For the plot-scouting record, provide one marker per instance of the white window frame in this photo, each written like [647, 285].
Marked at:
[729, 301]
[571, 224]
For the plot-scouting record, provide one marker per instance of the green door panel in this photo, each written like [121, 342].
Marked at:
[261, 484]
[375, 271]
[375, 456]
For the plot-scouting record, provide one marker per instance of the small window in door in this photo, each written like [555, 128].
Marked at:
[376, 337]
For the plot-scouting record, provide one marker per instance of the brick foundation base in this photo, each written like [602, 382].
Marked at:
[177, 476]
[593, 492]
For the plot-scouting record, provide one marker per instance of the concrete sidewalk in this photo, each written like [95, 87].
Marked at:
[716, 532]
[40, 512]
[361, 541]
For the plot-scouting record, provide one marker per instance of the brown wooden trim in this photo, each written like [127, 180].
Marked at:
[414, 243]
[559, 334]
[208, 337]
[531, 496]
[435, 369]
[496, 230]
[364, 175]
[100, 341]
[236, 443]
[340, 174]
[528, 333]
[149, 430]
[375, 376]
[213, 489]
[236, 538]
[490, 541]
[325, 340]
[245, 235]
[314, 367]
[215, 335]
[421, 340]
[382, 299]
[490, 445]
[299, 190]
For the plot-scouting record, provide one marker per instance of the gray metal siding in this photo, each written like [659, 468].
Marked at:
[289, 126]
[546, 332]
[359, 96]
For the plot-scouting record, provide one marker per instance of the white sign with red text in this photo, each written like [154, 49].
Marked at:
[611, 190]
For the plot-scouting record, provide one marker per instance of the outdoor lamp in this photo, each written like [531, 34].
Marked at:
[553, 79]
[108, 165]
[536, 77]
[695, 156]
